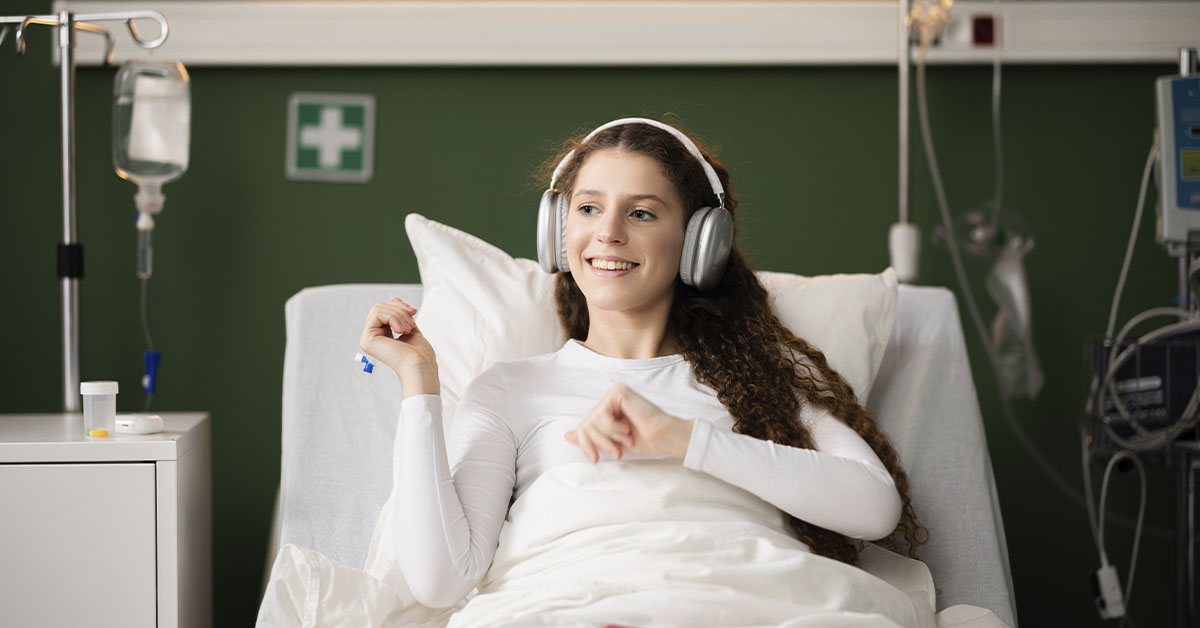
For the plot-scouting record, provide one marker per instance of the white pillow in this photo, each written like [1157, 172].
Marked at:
[848, 317]
[480, 306]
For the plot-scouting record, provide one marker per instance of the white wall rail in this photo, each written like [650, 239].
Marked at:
[626, 32]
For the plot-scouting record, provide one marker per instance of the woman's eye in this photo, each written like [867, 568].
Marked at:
[642, 214]
[587, 210]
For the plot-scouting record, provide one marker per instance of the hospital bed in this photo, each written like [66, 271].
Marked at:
[339, 424]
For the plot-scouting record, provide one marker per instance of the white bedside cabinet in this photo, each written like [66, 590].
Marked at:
[110, 532]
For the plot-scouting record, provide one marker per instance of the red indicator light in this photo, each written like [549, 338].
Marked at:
[983, 30]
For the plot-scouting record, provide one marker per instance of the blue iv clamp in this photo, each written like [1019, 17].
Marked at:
[368, 365]
[152, 359]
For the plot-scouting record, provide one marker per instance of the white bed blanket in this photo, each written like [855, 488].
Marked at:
[635, 543]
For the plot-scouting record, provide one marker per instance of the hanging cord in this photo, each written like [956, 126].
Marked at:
[146, 333]
[1137, 319]
[1137, 535]
[1160, 438]
[1137, 220]
[961, 275]
[997, 143]
[1093, 519]
[1143, 440]
[973, 309]
[1097, 521]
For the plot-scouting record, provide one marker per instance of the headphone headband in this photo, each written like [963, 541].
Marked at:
[691, 147]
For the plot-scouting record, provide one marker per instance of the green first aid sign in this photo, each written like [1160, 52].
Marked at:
[331, 137]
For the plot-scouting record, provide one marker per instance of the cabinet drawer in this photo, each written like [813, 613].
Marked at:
[77, 544]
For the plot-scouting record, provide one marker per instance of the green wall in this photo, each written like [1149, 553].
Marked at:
[813, 156]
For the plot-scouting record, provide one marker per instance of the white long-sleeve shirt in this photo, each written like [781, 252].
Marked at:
[453, 494]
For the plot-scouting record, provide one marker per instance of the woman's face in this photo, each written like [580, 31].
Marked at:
[625, 227]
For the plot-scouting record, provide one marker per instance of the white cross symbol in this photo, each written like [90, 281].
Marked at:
[330, 138]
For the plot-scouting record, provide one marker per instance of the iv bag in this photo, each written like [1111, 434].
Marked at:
[152, 113]
[1018, 370]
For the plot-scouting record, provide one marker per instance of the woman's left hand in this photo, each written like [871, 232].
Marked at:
[625, 422]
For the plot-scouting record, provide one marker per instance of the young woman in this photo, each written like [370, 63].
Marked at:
[654, 367]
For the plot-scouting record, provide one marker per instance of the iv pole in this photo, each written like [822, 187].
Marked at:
[70, 252]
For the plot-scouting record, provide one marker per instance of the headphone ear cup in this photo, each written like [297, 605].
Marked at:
[547, 230]
[687, 261]
[560, 233]
[706, 247]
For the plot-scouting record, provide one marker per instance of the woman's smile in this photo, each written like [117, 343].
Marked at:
[606, 266]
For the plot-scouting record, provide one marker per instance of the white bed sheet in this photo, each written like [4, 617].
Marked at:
[339, 423]
[644, 543]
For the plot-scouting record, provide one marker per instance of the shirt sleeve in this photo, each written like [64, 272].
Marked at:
[451, 501]
[840, 486]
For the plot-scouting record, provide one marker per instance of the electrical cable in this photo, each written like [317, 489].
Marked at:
[1087, 492]
[1137, 535]
[1096, 521]
[1095, 395]
[997, 141]
[1139, 318]
[1146, 440]
[1143, 440]
[1137, 218]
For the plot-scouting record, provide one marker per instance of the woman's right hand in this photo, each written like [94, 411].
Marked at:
[410, 356]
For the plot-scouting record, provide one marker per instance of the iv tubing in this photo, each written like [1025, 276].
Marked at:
[1137, 218]
[976, 318]
[146, 331]
[997, 144]
[904, 116]
[145, 321]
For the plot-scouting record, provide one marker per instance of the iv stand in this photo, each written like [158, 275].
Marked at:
[70, 252]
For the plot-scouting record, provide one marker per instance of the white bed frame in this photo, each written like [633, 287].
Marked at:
[339, 423]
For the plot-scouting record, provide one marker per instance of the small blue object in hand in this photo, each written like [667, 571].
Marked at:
[368, 365]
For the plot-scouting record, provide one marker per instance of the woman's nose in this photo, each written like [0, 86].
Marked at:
[611, 229]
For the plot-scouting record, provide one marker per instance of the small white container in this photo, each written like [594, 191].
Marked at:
[99, 409]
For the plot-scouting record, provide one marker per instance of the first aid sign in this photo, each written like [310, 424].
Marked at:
[331, 137]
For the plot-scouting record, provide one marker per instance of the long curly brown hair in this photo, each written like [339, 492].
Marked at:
[762, 373]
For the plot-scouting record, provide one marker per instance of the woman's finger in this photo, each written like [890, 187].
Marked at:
[601, 442]
[604, 422]
[621, 433]
[386, 326]
[409, 308]
[393, 317]
[383, 310]
[585, 444]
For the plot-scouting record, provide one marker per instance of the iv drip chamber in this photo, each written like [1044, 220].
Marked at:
[152, 112]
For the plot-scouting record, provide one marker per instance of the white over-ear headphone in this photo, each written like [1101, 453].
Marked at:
[706, 244]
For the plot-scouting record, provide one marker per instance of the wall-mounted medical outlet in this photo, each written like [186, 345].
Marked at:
[969, 31]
